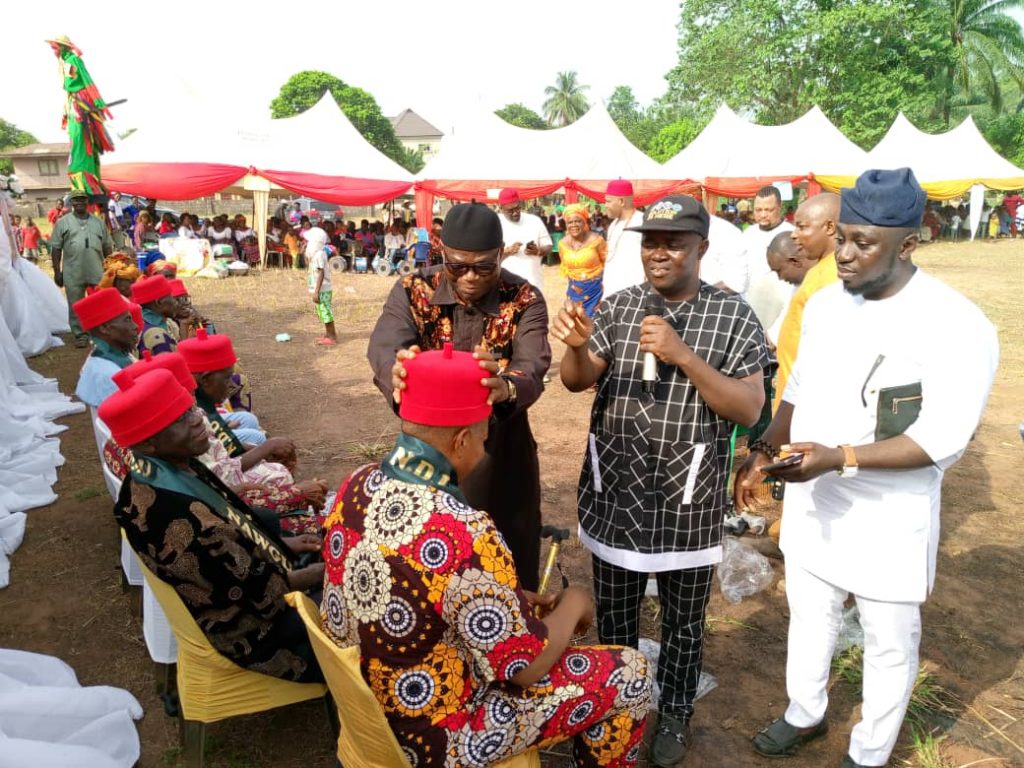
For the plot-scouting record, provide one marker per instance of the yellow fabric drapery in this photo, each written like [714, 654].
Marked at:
[936, 190]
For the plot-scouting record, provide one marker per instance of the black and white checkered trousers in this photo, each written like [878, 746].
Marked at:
[684, 598]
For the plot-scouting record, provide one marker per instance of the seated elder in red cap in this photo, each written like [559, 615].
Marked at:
[211, 358]
[527, 242]
[472, 302]
[107, 317]
[451, 645]
[153, 294]
[229, 568]
[262, 484]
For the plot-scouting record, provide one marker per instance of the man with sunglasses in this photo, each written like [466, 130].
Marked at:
[472, 302]
[652, 493]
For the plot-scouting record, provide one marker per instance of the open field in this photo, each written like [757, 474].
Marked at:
[65, 597]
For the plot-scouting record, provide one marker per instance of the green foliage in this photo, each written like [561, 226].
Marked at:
[672, 139]
[305, 89]
[412, 160]
[1006, 135]
[522, 116]
[988, 52]
[566, 101]
[11, 137]
[861, 61]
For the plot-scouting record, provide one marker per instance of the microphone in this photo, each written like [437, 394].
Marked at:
[654, 306]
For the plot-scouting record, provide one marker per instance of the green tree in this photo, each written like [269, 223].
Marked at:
[522, 116]
[566, 101]
[304, 89]
[12, 137]
[673, 138]
[862, 61]
[989, 48]
[623, 106]
[412, 160]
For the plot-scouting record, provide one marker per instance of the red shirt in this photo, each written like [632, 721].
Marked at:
[30, 235]
[55, 213]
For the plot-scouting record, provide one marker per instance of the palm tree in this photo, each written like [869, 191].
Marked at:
[988, 46]
[565, 102]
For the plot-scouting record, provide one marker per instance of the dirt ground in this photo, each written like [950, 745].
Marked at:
[65, 598]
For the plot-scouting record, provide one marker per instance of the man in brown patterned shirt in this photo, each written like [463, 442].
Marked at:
[479, 307]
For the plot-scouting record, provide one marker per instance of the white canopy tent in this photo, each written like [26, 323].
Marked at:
[484, 154]
[735, 157]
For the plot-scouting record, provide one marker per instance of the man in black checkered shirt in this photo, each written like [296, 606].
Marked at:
[653, 487]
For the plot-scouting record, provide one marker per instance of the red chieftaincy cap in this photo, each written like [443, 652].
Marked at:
[100, 307]
[144, 406]
[178, 287]
[136, 311]
[149, 289]
[508, 196]
[207, 353]
[443, 389]
[171, 361]
[619, 188]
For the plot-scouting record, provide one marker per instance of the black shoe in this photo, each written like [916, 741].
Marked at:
[780, 739]
[849, 763]
[671, 742]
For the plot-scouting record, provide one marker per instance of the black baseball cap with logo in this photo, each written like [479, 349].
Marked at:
[676, 213]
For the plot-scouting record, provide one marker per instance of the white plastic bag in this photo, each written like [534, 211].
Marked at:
[743, 571]
[651, 649]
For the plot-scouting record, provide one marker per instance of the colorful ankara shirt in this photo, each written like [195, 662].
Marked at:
[425, 586]
[156, 336]
[653, 487]
[512, 322]
[196, 535]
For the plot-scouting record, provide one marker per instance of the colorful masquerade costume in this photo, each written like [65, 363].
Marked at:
[425, 586]
[84, 115]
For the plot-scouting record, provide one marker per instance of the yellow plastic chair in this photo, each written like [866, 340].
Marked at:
[211, 687]
[365, 739]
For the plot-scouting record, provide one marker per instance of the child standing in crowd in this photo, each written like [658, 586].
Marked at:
[320, 283]
[16, 229]
[30, 237]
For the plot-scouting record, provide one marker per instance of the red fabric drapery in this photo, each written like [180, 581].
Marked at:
[466, 191]
[170, 181]
[745, 186]
[645, 191]
[346, 190]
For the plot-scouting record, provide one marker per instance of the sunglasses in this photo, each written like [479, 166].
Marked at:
[482, 268]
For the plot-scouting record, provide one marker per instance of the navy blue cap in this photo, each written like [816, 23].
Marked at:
[883, 198]
[471, 227]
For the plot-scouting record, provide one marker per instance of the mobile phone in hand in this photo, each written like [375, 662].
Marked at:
[790, 461]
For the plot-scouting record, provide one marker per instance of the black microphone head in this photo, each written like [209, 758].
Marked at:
[655, 304]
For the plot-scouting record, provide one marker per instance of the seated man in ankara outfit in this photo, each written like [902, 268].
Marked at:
[153, 294]
[891, 379]
[230, 569]
[469, 668]
[471, 302]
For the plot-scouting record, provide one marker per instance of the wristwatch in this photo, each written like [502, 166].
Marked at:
[512, 394]
[849, 468]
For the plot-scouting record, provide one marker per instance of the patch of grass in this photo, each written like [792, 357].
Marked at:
[711, 623]
[88, 493]
[928, 701]
[369, 451]
[928, 751]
